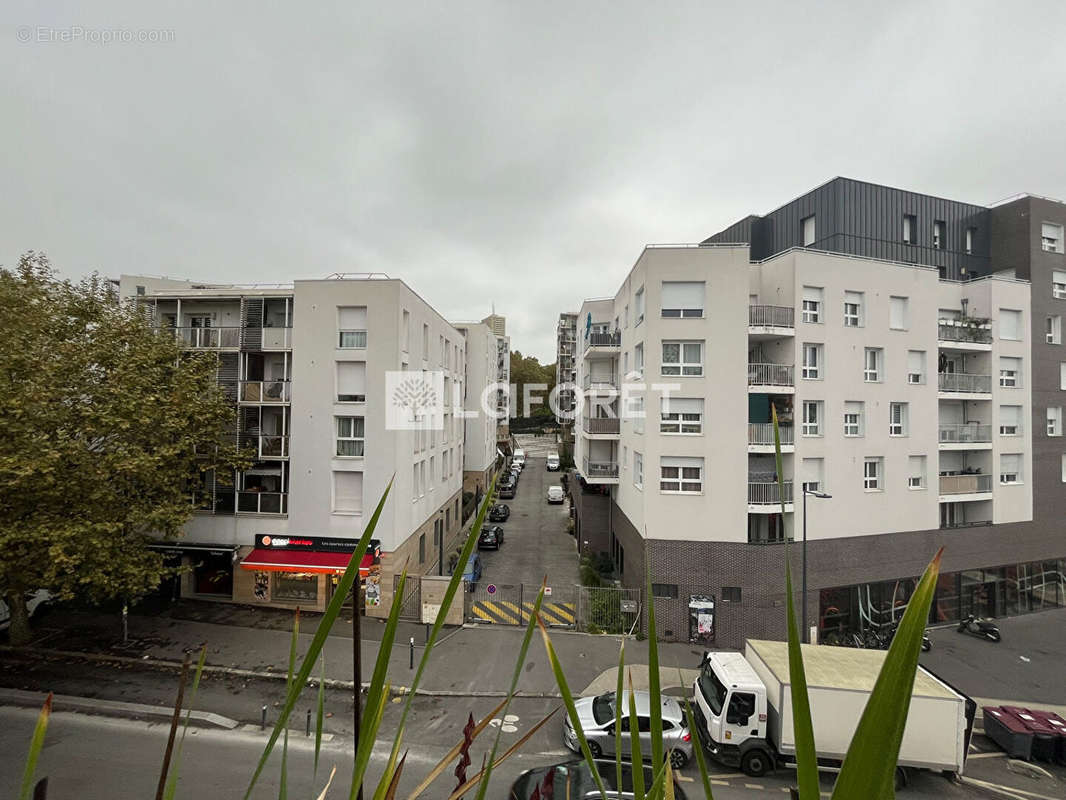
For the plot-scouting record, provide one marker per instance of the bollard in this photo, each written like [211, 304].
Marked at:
[263, 719]
[308, 722]
[412, 652]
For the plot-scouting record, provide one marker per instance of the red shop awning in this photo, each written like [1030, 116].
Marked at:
[263, 560]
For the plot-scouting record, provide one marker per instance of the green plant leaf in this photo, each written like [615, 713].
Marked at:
[697, 744]
[654, 684]
[172, 775]
[36, 744]
[320, 705]
[333, 610]
[283, 788]
[637, 757]
[803, 727]
[870, 764]
[618, 694]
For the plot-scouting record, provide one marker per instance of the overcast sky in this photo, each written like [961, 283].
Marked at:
[511, 153]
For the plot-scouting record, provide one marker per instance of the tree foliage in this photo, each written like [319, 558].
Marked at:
[102, 418]
[529, 370]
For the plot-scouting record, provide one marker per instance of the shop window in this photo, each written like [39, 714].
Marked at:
[213, 574]
[297, 587]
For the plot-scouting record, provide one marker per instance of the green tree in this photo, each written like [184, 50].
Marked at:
[101, 420]
[529, 370]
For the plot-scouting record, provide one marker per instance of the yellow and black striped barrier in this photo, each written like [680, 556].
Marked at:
[506, 612]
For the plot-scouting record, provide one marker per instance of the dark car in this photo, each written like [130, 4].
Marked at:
[576, 776]
[499, 513]
[491, 537]
[507, 491]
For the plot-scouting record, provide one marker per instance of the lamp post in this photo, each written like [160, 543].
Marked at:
[820, 496]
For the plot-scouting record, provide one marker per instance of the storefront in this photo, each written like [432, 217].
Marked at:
[298, 570]
[200, 570]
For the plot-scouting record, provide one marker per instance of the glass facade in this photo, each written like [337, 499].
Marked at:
[990, 592]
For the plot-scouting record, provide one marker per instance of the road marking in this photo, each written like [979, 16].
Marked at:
[491, 612]
[1007, 790]
[719, 783]
[685, 779]
[754, 786]
[988, 755]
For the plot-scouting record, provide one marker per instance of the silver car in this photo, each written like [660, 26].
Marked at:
[597, 715]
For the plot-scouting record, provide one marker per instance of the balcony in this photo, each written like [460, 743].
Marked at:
[605, 426]
[964, 335]
[761, 437]
[964, 435]
[765, 496]
[273, 446]
[600, 383]
[277, 338]
[209, 338]
[602, 344]
[266, 392]
[780, 377]
[963, 383]
[600, 471]
[770, 321]
[262, 503]
[954, 485]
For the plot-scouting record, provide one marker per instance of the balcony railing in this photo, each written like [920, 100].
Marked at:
[600, 382]
[277, 338]
[266, 391]
[600, 469]
[771, 375]
[961, 382]
[964, 433]
[598, 339]
[966, 524]
[209, 338]
[946, 332]
[763, 433]
[273, 446]
[601, 425]
[262, 502]
[768, 494]
[771, 317]
[965, 484]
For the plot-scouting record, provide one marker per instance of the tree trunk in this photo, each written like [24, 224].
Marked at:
[19, 632]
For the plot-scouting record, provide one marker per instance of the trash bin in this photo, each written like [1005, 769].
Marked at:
[1009, 732]
[1045, 737]
[1057, 724]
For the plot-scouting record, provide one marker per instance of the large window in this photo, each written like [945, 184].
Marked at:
[1058, 284]
[897, 419]
[680, 475]
[1010, 372]
[873, 474]
[812, 361]
[1053, 329]
[915, 366]
[638, 310]
[940, 234]
[1051, 237]
[852, 309]
[682, 299]
[638, 470]
[348, 492]
[910, 228]
[812, 418]
[916, 472]
[1010, 468]
[853, 418]
[971, 233]
[812, 304]
[351, 433]
[1054, 421]
[681, 415]
[809, 233]
[682, 358]
[1010, 420]
[813, 474]
[295, 587]
[351, 381]
[351, 324]
[1010, 324]
[873, 361]
[638, 359]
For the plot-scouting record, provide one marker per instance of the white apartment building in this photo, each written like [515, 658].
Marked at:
[565, 364]
[480, 394]
[904, 396]
[306, 366]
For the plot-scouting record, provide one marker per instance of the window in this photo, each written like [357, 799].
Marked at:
[421, 548]
[432, 472]
[1010, 468]
[813, 474]
[625, 363]
[348, 492]
[682, 358]
[295, 587]
[897, 419]
[1054, 421]
[731, 594]
[971, 234]
[807, 223]
[351, 381]
[625, 317]
[872, 365]
[681, 415]
[853, 418]
[1053, 329]
[425, 342]
[916, 472]
[812, 304]
[1062, 375]
[638, 359]
[422, 479]
[668, 590]
[1010, 372]
[1064, 468]
[910, 228]
[682, 299]
[812, 418]
[350, 436]
[351, 323]
[638, 470]
[1051, 237]
[812, 358]
[872, 474]
[637, 408]
[915, 366]
[1010, 420]
[897, 313]
[940, 234]
[680, 475]
[405, 331]
[852, 309]
[1058, 284]
[638, 302]
[414, 481]
[1010, 324]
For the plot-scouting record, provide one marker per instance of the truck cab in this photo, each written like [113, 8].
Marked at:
[731, 708]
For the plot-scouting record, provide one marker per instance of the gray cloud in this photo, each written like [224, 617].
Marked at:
[520, 154]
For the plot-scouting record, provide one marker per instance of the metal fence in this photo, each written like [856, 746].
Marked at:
[411, 605]
[607, 609]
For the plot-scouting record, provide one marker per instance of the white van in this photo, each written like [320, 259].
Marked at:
[519, 458]
[553, 462]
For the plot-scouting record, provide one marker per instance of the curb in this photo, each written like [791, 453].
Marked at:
[331, 683]
[63, 702]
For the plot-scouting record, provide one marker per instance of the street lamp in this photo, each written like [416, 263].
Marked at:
[820, 496]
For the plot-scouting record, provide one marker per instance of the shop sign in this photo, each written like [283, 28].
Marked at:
[323, 544]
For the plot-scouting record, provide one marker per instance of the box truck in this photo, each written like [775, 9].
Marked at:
[743, 704]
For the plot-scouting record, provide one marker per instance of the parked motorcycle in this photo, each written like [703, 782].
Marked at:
[981, 628]
[882, 640]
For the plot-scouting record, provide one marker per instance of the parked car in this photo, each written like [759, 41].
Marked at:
[596, 715]
[514, 474]
[472, 573]
[507, 491]
[552, 463]
[556, 494]
[34, 600]
[500, 512]
[577, 777]
[519, 458]
[491, 536]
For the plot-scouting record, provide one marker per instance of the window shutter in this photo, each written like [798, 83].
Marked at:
[352, 318]
[351, 378]
[1009, 324]
[812, 293]
[897, 313]
[683, 295]
[348, 491]
[1010, 415]
[682, 405]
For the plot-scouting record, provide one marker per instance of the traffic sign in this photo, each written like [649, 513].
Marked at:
[491, 588]
[547, 591]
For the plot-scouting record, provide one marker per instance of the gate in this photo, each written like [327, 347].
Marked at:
[511, 604]
[607, 609]
[411, 605]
